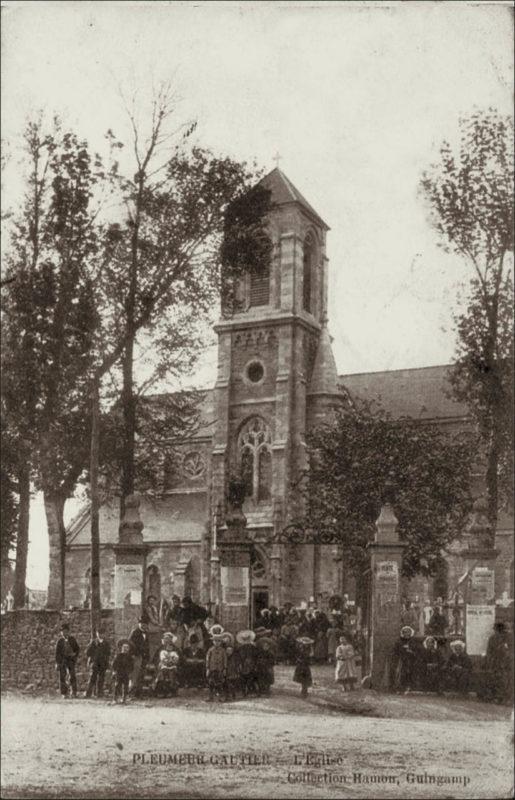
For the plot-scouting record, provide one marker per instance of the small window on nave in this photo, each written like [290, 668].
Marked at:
[256, 459]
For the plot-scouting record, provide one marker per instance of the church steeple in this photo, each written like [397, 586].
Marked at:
[284, 192]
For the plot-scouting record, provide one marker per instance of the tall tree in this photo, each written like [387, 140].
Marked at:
[161, 263]
[49, 320]
[470, 192]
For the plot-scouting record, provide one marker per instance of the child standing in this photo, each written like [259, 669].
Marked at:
[265, 666]
[333, 637]
[216, 667]
[302, 672]
[123, 666]
[247, 654]
[232, 677]
[345, 672]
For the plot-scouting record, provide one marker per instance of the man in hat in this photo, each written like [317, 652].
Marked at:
[98, 654]
[190, 611]
[66, 652]
[404, 656]
[287, 638]
[498, 663]
[438, 622]
[174, 612]
[140, 652]
[216, 667]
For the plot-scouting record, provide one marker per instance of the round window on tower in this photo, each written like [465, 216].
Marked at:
[255, 371]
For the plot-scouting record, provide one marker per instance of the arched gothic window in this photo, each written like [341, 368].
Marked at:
[256, 459]
[307, 273]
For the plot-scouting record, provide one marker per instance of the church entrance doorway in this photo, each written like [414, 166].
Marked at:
[259, 602]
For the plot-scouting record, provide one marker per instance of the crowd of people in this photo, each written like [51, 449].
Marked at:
[437, 664]
[181, 646]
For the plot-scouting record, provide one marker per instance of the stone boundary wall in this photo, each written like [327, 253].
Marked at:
[28, 639]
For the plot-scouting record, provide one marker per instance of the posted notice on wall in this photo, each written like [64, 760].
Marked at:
[235, 585]
[482, 585]
[479, 627]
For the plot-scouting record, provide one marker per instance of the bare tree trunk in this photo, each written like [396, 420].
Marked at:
[129, 425]
[492, 488]
[22, 538]
[95, 508]
[54, 511]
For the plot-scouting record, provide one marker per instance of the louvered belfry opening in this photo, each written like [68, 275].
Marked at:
[307, 273]
[260, 288]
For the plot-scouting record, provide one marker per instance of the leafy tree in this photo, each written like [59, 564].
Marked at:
[49, 317]
[357, 458]
[470, 193]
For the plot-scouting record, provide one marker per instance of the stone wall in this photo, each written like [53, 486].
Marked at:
[78, 561]
[28, 639]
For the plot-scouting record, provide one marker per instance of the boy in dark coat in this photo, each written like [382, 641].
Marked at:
[98, 654]
[216, 668]
[248, 655]
[66, 652]
[123, 665]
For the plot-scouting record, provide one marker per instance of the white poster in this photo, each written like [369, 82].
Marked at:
[235, 585]
[479, 627]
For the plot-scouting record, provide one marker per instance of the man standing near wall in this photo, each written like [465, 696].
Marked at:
[66, 652]
[140, 651]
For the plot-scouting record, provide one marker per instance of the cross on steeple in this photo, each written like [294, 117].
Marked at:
[277, 158]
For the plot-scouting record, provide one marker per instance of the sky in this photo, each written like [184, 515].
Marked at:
[355, 97]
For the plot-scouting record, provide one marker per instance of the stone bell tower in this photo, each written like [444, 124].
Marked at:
[276, 375]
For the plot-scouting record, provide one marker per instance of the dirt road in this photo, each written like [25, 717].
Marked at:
[258, 749]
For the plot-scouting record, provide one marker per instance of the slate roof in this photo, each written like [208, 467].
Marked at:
[420, 393]
[283, 191]
[173, 518]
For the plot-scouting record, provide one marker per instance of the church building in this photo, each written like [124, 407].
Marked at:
[276, 379]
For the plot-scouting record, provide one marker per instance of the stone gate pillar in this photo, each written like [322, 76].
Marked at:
[479, 556]
[385, 616]
[234, 553]
[129, 571]
[275, 576]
